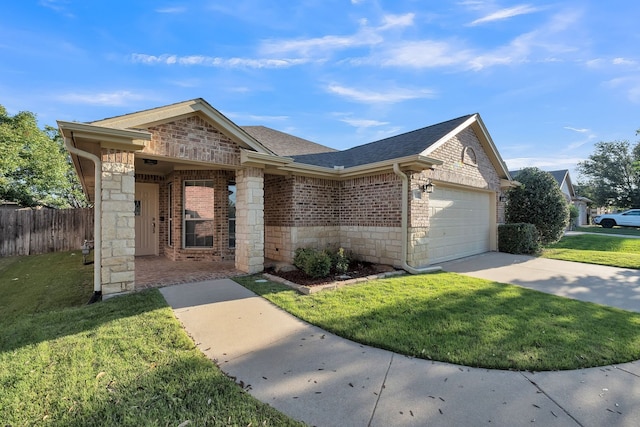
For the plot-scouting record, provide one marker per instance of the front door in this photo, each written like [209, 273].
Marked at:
[146, 213]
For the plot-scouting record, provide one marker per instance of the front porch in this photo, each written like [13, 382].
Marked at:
[159, 271]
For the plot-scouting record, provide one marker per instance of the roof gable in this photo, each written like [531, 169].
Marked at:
[169, 113]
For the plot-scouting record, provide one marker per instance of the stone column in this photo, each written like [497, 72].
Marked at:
[250, 220]
[118, 222]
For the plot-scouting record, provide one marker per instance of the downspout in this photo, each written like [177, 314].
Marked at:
[97, 217]
[405, 226]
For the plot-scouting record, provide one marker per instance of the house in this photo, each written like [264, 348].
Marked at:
[563, 179]
[184, 182]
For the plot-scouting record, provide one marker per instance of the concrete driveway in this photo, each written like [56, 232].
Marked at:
[612, 286]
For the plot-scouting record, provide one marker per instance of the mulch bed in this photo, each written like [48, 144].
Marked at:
[356, 270]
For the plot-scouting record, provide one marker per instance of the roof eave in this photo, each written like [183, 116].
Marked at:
[288, 165]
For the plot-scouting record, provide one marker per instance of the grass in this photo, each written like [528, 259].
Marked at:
[124, 362]
[43, 282]
[474, 322]
[596, 249]
[629, 231]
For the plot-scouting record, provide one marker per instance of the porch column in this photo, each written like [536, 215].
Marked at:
[118, 222]
[250, 220]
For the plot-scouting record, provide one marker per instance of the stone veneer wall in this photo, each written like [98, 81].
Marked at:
[117, 269]
[361, 214]
[250, 225]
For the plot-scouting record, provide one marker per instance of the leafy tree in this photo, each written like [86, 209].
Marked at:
[538, 201]
[34, 166]
[613, 174]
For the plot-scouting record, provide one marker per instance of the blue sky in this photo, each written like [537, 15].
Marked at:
[549, 78]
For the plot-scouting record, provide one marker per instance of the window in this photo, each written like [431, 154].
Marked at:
[198, 214]
[232, 215]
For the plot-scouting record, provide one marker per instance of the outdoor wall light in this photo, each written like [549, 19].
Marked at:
[502, 198]
[428, 187]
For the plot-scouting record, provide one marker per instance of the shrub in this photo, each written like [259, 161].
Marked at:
[341, 261]
[318, 264]
[313, 262]
[518, 238]
[301, 256]
[538, 201]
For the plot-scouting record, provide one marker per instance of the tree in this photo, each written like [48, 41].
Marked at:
[35, 169]
[538, 201]
[613, 174]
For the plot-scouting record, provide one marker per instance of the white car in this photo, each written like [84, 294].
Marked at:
[630, 218]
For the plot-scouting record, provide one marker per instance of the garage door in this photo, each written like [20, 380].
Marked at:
[460, 223]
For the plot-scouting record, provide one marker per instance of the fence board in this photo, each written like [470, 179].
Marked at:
[28, 232]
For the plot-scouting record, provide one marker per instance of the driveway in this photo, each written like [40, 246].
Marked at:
[612, 286]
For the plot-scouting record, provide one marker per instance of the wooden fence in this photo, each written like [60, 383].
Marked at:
[29, 232]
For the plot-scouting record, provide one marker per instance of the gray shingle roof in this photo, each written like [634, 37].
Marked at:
[284, 144]
[406, 144]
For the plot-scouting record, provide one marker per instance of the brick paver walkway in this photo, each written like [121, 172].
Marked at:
[158, 271]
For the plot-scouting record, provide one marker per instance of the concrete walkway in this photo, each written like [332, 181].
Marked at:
[612, 286]
[324, 380]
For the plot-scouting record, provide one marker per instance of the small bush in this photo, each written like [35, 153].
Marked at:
[301, 256]
[518, 238]
[318, 264]
[341, 261]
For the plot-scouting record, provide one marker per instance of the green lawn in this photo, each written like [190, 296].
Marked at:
[630, 231]
[124, 362]
[474, 322]
[596, 249]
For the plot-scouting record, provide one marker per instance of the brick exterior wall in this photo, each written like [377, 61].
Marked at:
[361, 214]
[219, 196]
[367, 210]
[192, 138]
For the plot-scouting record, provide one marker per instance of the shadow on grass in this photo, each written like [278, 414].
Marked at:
[189, 389]
[29, 329]
[500, 326]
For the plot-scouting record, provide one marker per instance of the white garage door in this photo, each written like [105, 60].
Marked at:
[460, 223]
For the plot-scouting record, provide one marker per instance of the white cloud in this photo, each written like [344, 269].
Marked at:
[210, 61]
[623, 61]
[365, 36]
[544, 163]
[507, 13]
[390, 96]
[629, 85]
[581, 130]
[117, 98]
[391, 21]
[175, 9]
[424, 54]
[59, 6]
[363, 123]
[307, 47]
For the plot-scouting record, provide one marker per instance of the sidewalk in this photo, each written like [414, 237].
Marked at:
[324, 380]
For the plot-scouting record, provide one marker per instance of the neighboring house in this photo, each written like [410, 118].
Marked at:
[563, 179]
[184, 182]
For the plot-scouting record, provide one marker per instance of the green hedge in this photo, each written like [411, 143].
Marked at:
[518, 238]
[319, 263]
